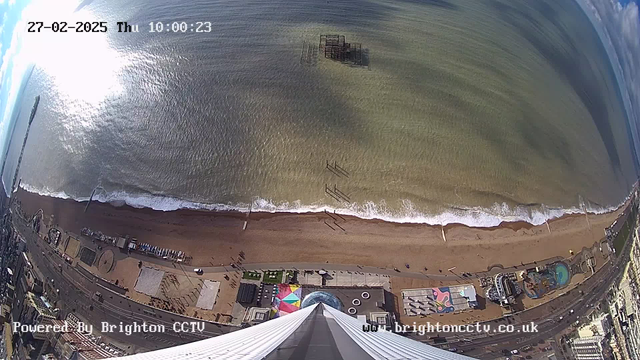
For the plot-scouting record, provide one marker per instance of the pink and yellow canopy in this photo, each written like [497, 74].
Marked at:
[287, 300]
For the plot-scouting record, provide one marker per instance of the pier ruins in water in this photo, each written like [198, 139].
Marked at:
[334, 47]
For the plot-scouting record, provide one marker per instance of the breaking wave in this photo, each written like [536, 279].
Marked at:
[473, 216]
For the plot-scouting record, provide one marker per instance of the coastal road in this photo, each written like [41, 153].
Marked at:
[76, 296]
[572, 305]
[548, 325]
[580, 307]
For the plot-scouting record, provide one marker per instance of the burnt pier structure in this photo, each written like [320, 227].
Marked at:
[336, 48]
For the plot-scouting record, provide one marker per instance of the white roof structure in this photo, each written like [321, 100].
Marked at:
[588, 348]
[149, 280]
[301, 334]
[254, 342]
[208, 294]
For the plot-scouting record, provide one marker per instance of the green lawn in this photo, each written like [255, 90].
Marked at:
[621, 239]
[251, 275]
[273, 277]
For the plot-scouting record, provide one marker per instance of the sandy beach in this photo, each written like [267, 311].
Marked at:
[214, 238]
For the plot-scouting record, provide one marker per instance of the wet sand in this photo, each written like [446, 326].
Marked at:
[214, 238]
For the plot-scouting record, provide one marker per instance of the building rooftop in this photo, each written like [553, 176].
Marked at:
[95, 353]
[208, 294]
[40, 305]
[257, 315]
[352, 298]
[311, 333]
[599, 326]
[247, 293]
[589, 348]
[380, 318]
[440, 300]
[75, 337]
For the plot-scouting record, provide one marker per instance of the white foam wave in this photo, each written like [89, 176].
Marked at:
[474, 216]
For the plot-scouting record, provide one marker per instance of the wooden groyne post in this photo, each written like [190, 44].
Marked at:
[244, 227]
[330, 193]
[586, 215]
[329, 214]
[341, 228]
[336, 169]
[90, 198]
[338, 215]
[340, 193]
[330, 168]
[325, 222]
[341, 169]
[336, 193]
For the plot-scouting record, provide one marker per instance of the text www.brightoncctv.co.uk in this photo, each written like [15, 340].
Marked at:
[430, 328]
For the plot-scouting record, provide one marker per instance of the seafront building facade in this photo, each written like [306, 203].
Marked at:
[624, 306]
[588, 348]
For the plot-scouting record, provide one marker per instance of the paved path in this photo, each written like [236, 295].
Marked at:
[410, 273]
[441, 275]
[77, 289]
[572, 305]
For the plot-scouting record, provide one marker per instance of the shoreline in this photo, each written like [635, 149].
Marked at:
[473, 217]
[262, 214]
[215, 238]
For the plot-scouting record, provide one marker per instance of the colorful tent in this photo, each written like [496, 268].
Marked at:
[287, 300]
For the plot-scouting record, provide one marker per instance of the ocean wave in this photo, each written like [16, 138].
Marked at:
[472, 216]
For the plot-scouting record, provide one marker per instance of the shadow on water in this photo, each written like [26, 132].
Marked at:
[547, 142]
[464, 112]
[351, 13]
[221, 100]
[365, 57]
[567, 60]
[436, 3]
[196, 116]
